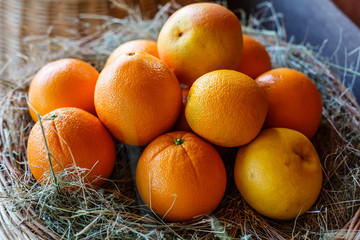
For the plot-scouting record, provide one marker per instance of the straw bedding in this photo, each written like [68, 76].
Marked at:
[29, 211]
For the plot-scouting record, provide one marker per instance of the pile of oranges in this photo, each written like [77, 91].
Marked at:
[202, 84]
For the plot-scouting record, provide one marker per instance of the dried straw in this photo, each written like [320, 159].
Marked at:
[30, 211]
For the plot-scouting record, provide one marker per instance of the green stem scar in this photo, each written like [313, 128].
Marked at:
[53, 116]
[178, 141]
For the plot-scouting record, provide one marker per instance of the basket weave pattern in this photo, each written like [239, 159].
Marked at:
[21, 18]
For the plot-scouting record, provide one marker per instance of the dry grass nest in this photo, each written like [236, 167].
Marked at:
[31, 211]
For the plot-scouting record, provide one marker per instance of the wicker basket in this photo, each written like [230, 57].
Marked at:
[23, 18]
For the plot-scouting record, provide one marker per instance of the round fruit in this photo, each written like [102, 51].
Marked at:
[73, 137]
[200, 38]
[279, 173]
[255, 59]
[181, 124]
[139, 45]
[137, 98]
[63, 83]
[226, 108]
[180, 176]
[294, 101]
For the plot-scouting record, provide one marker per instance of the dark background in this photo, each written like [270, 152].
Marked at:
[314, 21]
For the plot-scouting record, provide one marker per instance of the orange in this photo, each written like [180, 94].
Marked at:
[139, 45]
[63, 83]
[181, 124]
[279, 173]
[73, 137]
[138, 98]
[200, 38]
[255, 59]
[180, 176]
[226, 108]
[294, 101]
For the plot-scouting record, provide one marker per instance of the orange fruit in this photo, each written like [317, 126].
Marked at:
[181, 124]
[279, 173]
[226, 108]
[139, 45]
[63, 83]
[200, 38]
[294, 101]
[74, 137]
[180, 176]
[138, 98]
[255, 59]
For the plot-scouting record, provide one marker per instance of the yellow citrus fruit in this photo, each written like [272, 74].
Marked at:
[200, 38]
[226, 108]
[279, 173]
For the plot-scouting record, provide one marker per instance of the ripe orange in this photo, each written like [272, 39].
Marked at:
[181, 124]
[200, 38]
[138, 98]
[255, 59]
[63, 83]
[73, 136]
[180, 176]
[226, 108]
[139, 45]
[294, 101]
